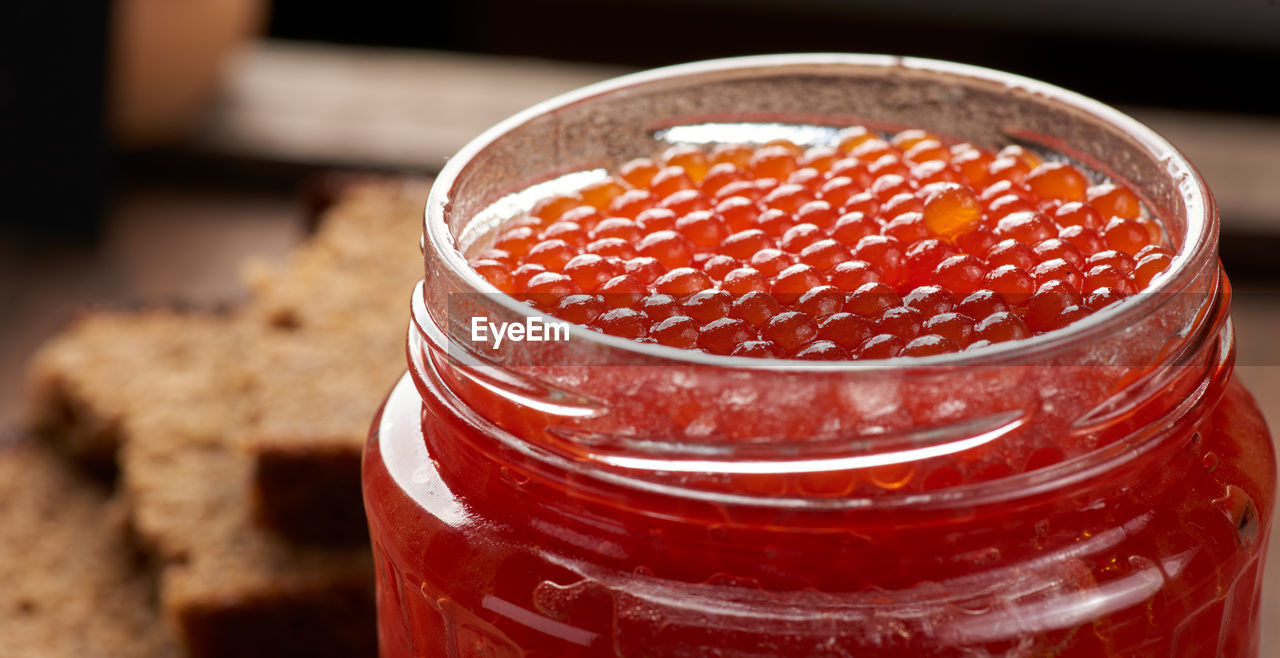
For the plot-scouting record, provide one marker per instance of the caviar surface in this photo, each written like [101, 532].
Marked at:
[874, 247]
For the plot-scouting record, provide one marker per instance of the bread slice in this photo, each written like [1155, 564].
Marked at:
[340, 310]
[176, 389]
[353, 276]
[328, 344]
[70, 583]
[76, 395]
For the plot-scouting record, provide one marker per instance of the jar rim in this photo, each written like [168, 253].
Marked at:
[1197, 247]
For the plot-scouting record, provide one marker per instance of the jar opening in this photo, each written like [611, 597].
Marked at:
[1100, 138]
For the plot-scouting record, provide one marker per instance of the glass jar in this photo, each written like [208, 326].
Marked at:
[1098, 490]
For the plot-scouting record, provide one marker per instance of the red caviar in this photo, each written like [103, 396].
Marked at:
[1032, 239]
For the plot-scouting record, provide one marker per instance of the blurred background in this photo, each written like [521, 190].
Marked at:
[150, 147]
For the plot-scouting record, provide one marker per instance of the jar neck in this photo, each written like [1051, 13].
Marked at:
[591, 520]
[1026, 441]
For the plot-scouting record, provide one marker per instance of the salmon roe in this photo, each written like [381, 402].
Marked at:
[875, 246]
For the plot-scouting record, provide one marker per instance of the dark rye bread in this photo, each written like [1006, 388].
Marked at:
[333, 322]
[70, 583]
[83, 382]
[339, 309]
[57, 378]
[176, 390]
